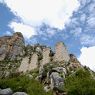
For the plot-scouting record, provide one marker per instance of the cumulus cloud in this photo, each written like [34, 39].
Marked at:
[84, 19]
[87, 57]
[55, 13]
[26, 30]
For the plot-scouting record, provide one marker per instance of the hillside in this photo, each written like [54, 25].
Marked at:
[38, 70]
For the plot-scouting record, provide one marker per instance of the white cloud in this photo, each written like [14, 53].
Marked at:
[87, 39]
[26, 30]
[56, 13]
[76, 32]
[87, 57]
[91, 22]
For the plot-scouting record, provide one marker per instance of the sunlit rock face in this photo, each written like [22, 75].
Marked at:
[24, 65]
[74, 63]
[33, 62]
[18, 57]
[11, 47]
[29, 63]
[61, 53]
[46, 57]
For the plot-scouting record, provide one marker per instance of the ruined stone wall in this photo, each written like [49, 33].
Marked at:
[61, 53]
[28, 64]
[24, 65]
[46, 57]
[33, 62]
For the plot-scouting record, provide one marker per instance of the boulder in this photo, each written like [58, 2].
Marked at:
[6, 91]
[56, 81]
[20, 93]
[61, 70]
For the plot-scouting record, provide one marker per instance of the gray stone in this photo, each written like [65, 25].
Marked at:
[61, 70]
[46, 88]
[56, 80]
[6, 91]
[20, 93]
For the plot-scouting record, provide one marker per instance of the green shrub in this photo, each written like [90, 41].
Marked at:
[22, 83]
[81, 83]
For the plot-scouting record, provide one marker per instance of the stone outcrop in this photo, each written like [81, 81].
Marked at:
[20, 93]
[36, 61]
[29, 64]
[61, 53]
[46, 57]
[8, 91]
[74, 63]
[21, 58]
[33, 62]
[11, 47]
[56, 81]
[24, 65]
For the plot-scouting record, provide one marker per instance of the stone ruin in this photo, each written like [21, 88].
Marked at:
[13, 47]
[29, 64]
[33, 62]
[46, 57]
[61, 53]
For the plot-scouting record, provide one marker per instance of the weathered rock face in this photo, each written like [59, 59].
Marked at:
[33, 62]
[74, 63]
[16, 57]
[24, 65]
[29, 63]
[56, 81]
[46, 57]
[61, 53]
[6, 91]
[11, 47]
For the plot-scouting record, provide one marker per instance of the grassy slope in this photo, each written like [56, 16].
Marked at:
[23, 83]
[80, 83]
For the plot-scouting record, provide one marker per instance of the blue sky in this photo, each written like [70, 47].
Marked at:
[51, 21]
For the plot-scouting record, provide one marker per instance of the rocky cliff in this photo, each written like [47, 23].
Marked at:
[37, 61]
[11, 47]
